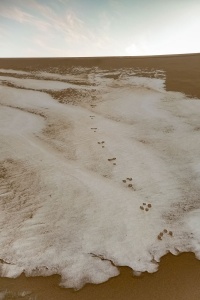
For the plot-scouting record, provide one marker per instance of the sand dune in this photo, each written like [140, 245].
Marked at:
[112, 180]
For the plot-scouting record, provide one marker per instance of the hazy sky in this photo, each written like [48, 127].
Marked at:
[98, 27]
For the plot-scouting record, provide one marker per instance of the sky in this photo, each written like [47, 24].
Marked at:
[82, 28]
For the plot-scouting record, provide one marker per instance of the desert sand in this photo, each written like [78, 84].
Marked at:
[99, 167]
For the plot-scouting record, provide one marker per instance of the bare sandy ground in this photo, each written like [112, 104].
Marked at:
[177, 278]
[118, 109]
[182, 71]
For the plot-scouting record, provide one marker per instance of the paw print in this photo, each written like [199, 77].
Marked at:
[145, 206]
[130, 185]
[100, 143]
[111, 159]
[94, 129]
[164, 233]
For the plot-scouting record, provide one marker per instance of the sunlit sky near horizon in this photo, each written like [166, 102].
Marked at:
[54, 28]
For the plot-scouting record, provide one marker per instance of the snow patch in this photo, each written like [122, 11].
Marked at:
[84, 190]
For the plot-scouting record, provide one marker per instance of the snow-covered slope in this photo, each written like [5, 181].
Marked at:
[87, 188]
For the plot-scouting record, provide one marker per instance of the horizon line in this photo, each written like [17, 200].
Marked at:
[93, 57]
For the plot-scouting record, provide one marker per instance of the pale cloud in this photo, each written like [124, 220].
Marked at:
[74, 27]
[42, 9]
[21, 16]
[66, 23]
[76, 35]
[57, 28]
[14, 13]
[76, 31]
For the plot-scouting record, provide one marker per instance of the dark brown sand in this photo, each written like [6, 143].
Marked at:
[183, 71]
[178, 277]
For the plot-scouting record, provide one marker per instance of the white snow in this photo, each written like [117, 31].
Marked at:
[56, 76]
[14, 71]
[192, 220]
[41, 84]
[64, 206]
